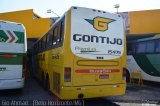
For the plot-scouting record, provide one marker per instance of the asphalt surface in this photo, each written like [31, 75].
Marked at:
[34, 94]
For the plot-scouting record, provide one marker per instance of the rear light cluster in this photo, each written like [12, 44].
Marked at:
[8, 55]
[124, 74]
[67, 74]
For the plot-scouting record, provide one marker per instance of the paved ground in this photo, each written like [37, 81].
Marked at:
[146, 94]
[139, 93]
[31, 91]
[34, 94]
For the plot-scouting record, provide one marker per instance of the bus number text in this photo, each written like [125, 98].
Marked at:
[114, 52]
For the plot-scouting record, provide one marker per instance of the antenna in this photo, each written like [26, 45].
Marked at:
[50, 11]
[117, 6]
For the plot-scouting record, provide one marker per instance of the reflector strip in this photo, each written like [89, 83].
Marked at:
[97, 71]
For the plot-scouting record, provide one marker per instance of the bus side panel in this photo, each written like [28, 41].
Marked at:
[55, 64]
[11, 67]
[68, 56]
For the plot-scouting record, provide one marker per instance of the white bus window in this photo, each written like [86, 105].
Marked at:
[134, 47]
[157, 46]
[129, 49]
[141, 47]
[150, 46]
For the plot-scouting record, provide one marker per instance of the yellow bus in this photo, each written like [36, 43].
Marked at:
[83, 55]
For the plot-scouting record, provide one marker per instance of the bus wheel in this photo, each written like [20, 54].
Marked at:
[47, 83]
[127, 76]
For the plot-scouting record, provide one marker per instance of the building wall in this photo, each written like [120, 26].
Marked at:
[40, 27]
[35, 28]
[144, 22]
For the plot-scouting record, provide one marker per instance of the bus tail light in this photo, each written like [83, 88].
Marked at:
[124, 74]
[8, 55]
[67, 74]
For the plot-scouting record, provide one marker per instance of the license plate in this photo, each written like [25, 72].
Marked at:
[104, 76]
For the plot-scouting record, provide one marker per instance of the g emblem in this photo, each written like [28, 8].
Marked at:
[100, 23]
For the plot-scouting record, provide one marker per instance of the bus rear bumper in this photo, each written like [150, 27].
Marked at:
[11, 83]
[92, 91]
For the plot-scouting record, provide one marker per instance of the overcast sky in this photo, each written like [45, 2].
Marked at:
[60, 6]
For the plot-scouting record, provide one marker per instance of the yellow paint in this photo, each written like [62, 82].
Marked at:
[144, 22]
[93, 91]
[35, 28]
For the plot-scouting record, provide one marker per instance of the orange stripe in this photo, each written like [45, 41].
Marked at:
[12, 37]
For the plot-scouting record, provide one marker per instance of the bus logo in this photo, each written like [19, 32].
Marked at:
[100, 23]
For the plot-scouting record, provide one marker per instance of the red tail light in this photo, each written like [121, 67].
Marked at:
[8, 55]
[67, 74]
[124, 74]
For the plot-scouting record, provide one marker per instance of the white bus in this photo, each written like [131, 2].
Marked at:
[13, 48]
[144, 56]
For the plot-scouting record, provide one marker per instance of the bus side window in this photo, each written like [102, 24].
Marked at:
[141, 47]
[50, 38]
[35, 48]
[157, 46]
[61, 32]
[150, 46]
[40, 44]
[55, 35]
[132, 49]
[43, 42]
[46, 42]
[129, 49]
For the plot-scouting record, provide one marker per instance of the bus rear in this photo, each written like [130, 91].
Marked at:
[94, 54]
[12, 50]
